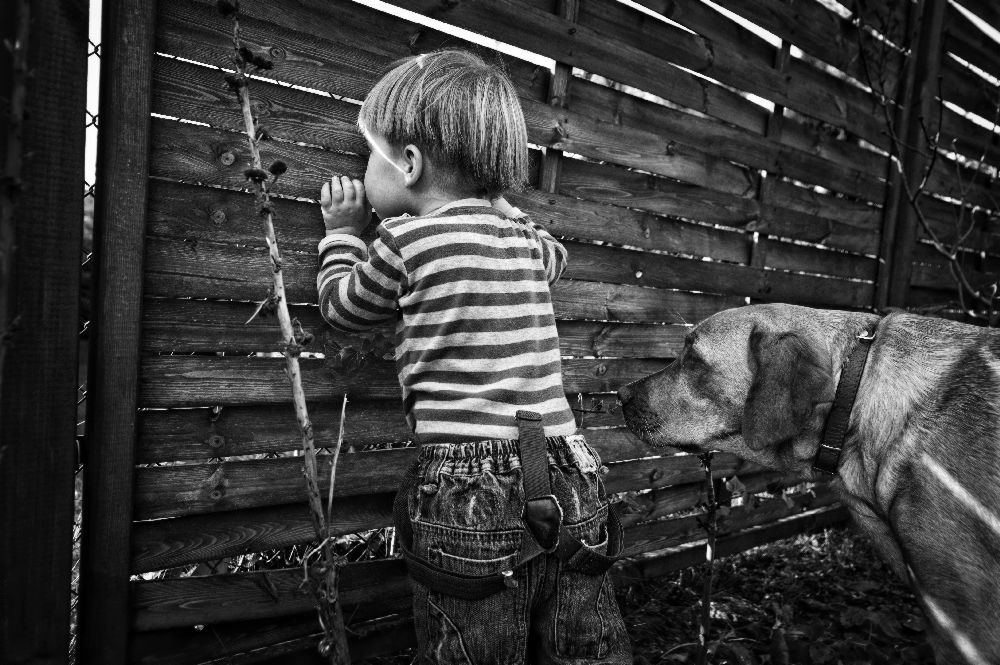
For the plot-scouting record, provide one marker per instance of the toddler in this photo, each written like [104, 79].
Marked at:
[503, 520]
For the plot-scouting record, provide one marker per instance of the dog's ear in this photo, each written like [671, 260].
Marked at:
[788, 380]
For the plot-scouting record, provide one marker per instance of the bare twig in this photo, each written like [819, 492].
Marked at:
[983, 301]
[334, 644]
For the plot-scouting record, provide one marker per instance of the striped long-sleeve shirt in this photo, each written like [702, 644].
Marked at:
[475, 332]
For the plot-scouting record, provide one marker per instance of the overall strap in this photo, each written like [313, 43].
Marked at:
[542, 512]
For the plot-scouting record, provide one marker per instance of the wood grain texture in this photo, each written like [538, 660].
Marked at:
[381, 585]
[161, 544]
[200, 325]
[43, 174]
[807, 155]
[803, 87]
[794, 212]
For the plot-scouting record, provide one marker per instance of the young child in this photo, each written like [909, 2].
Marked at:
[503, 520]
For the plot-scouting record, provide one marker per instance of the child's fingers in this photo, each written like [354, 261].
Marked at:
[348, 188]
[332, 193]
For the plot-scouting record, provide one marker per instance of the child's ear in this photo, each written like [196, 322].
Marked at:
[413, 165]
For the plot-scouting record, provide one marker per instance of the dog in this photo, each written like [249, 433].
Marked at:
[920, 464]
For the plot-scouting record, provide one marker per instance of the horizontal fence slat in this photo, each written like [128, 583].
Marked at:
[843, 167]
[788, 256]
[334, 46]
[795, 212]
[374, 587]
[200, 325]
[222, 643]
[689, 555]
[802, 87]
[188, 489]
[167, 543]
[210, 270]
[202, 600]
[202, 433]
[184, 211]
[185, 381]
[663, 534]
[970, 43]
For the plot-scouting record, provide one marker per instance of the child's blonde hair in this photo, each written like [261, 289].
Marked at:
[460, 110]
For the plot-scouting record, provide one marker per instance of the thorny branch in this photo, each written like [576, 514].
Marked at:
[324, 587]
[984, 300]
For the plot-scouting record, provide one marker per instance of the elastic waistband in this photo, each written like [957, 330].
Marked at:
[504, 454]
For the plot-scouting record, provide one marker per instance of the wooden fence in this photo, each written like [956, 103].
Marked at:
[689, 162]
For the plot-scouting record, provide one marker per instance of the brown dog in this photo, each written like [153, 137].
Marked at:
[920, 468]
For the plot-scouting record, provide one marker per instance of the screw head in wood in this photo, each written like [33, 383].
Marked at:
[216, 441]
[218, 217]
[227, 158]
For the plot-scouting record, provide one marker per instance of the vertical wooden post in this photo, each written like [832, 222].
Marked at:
[901, 122]
[119, 230]
[758, 249]
[558, 86]
[899, 234]
[38, 402]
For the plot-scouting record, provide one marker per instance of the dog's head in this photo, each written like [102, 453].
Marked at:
[748, 381]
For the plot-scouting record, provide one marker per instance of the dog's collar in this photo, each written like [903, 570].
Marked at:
[828, 456]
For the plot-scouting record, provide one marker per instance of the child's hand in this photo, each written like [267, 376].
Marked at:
[344, 207]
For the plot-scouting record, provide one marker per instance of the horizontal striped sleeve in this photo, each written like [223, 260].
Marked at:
[553, 252]
[358, 287]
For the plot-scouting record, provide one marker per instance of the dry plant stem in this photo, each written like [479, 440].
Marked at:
[333, 464]
[711, 528]
[10, 188]
[334, 644]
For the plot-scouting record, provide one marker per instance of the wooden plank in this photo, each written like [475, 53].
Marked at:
[663, 534]
[795, 212]
[190, 489]
[288, 640]
[192, 153]
[200, 325]
[195, 600]
[620, 302]
[692, 554]
[337, 47]
[285, 641]
[195, 214]
[971, 44]
[203, 434]
[803, 88]
[927, 66]
[809, 25]
[44, 93]
[190, 381]
[970, 139]
[208, 270]
[961, 86]
[813, 260]
[122, 166]
[161, 544]
[189, 91]
[551, 36]
[849, 169]
[987, 10]
[366, 588]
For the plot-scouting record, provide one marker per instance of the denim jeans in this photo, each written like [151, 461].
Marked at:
[466, 514]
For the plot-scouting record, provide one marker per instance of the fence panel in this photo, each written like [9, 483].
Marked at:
[689, 165]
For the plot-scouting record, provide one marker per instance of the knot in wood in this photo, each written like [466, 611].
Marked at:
[216, 441]
[227, 158]
[602, 369]
[277, 52]
[216, 494]
[218, 217]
